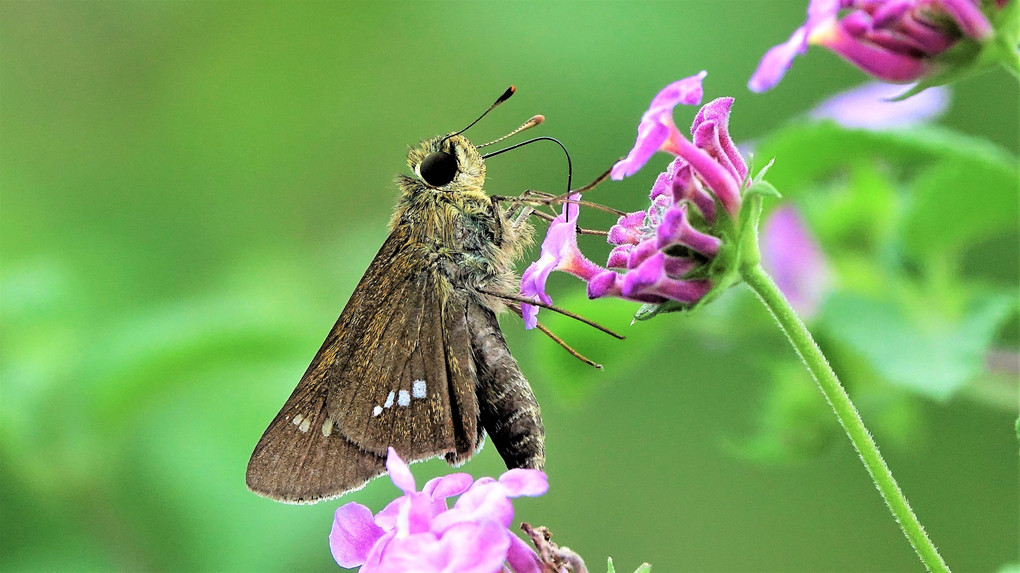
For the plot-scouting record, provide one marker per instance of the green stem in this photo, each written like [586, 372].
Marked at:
[837, 397]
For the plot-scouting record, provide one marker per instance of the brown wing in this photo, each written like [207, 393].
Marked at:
[383, 377]
[411, 383]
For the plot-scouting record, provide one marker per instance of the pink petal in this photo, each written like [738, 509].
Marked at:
[522, 558]
[353, 535]
[464, 548]
[870, 106]
[399, 472]
[716, 141]
[521, 481]
[657, 127]
[486, 500]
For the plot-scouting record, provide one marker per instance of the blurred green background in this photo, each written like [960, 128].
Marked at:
[190, 191]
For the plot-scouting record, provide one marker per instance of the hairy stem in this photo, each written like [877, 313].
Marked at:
[845, 411]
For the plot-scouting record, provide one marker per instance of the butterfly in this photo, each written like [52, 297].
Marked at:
[416, 361]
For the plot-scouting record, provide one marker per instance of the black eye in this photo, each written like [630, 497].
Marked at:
[438, 168]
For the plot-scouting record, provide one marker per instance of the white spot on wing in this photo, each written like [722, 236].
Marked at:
[327, 427]
[389, 400]
[377, 410]
[418, 389]
[297, 420]
[403, 398]
[305, 425]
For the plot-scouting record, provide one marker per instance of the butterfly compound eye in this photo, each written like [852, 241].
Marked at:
[438, 168]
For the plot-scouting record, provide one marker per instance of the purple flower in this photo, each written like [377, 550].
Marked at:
[893, 40]
[871, 107]
[792, 256]
[418, 531]
[657, 132]
[668, 251]
[559, 253]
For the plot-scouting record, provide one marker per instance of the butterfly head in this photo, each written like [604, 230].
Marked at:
[447, 163]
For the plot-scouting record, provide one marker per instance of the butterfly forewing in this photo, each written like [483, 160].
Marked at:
[300, 459]
[395, 388]
[404, 379]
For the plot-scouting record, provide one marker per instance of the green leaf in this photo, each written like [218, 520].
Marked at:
[763, 188]
[808, 152]
[644, 568]
[609, 566]
[957, 203]
[925, 352]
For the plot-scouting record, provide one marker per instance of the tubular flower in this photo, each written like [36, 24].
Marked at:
[893, 40]
[684, 246]
[559, 253]
[419, 532]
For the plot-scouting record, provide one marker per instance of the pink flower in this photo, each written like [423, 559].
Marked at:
[420, 532]
[665, 253]
[893, 40]
[559, 253]
[657, 132]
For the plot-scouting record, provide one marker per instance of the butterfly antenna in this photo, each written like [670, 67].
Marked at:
[563, 311]
[506, 95]
[527, 125]
[570, 167]
[566, 346]
[517, 308]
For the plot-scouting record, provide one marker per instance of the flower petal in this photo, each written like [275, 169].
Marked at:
[522, 558]
[353, 535]
[677, 230]
[716, 177]
[399, 472]
[870, 106]
[618, 256]
[627, 229]
[880, 62]
[650, 279]
[523, 481]
[778, 59]
[559, 253]
[464, 548]
[657, 127]
[448, 486]
[487, 499]
[687, 187]
[716, 141]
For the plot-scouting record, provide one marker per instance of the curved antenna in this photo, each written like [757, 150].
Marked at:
[527, 125]
[506, 95]
[570, 168]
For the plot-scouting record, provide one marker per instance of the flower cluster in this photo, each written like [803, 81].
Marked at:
[893, 40]
[419, 532]
[669, 252]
